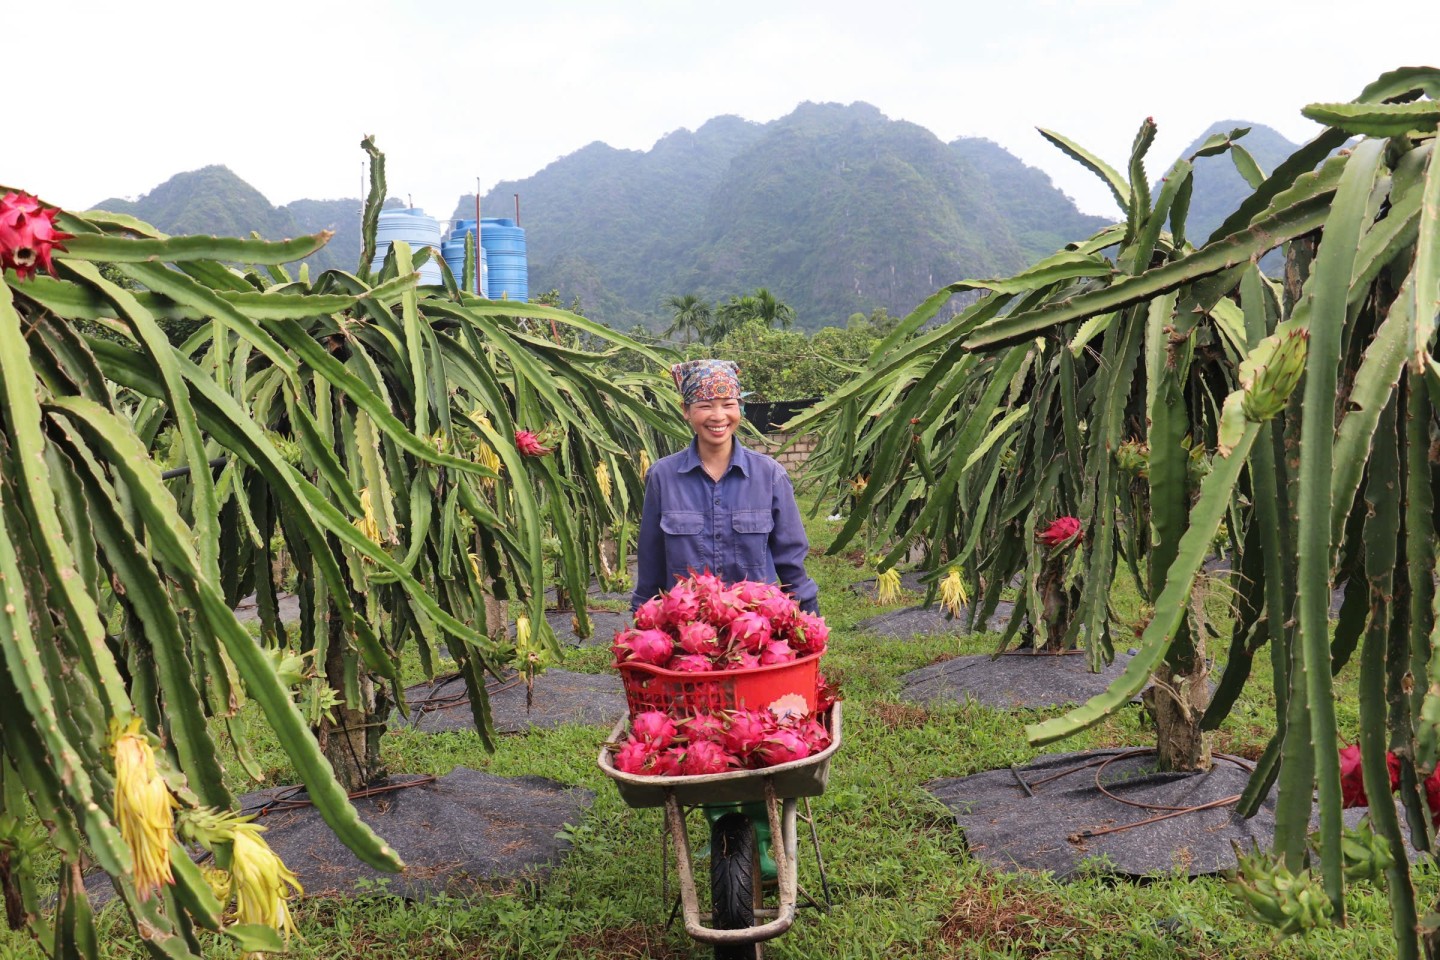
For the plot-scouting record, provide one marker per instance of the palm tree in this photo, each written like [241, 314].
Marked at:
[760, 305]
[691, 315]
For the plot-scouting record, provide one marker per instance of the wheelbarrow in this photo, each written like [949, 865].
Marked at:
[734, 801]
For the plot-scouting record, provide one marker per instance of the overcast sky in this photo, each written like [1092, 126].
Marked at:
[111, 99]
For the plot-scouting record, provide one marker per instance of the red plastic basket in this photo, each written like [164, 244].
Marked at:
[653, 688]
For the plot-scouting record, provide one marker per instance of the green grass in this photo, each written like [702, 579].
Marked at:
[902, 881]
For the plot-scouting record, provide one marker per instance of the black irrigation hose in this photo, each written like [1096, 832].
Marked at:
[185, 471]
[1102, 762]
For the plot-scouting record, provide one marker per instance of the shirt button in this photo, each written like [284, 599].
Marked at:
[717, 503]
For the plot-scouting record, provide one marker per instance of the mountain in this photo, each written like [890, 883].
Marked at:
[213, 200]
[1219, 188]
[836, 209]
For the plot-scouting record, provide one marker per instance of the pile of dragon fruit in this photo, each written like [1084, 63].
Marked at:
[702, 625]
[661, 746]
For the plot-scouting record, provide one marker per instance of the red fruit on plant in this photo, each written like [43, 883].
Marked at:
[654, 727]
[1352, 782]
[699, 637]
[28, 235]
[782, 746]
[704, 757]
[1061, 530]
[776, 651]
[691, 663]
[529, 444]
[1392, 765]
[648, 615]
[750, 631]
[1432, 796]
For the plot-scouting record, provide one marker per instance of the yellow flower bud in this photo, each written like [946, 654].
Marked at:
[953, 596]
[260, 880]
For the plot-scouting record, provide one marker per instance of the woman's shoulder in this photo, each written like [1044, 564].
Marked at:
[763, 464]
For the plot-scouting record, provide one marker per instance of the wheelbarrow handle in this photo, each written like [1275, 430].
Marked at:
[783, 843]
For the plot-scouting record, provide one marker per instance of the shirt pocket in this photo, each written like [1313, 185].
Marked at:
[683, 531]
[752, 542]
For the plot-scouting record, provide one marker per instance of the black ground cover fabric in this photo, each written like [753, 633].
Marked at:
[1011, 681]
[459, 830]
[1059, 825]
[560, 697]
[931, 621]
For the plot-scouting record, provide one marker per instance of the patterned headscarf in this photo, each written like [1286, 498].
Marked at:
[707, 380]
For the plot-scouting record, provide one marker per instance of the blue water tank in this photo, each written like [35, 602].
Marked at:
[415, 228]
[453, 250]
[504, 245]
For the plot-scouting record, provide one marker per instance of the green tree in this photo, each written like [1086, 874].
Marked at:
[760, 305]
[690, 315]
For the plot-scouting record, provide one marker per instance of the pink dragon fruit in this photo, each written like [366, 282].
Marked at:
[28, 235]
[753, 592]
[633, 756]
[651, 646]
[653, 727]
[679, 606]
[648, 615]
[739, 659]
[704, 726]
[723, 606]
[703, 757]
[666, 763]
[813, 732]
[776, 651]
[779, 609]
[691, 663]
[705, 585]
[699, 637]
[749, 631]
[826, 693]
[782, 746]
[811, 633]
[746, 730]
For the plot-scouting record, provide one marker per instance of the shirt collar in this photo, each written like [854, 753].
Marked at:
[739, 457]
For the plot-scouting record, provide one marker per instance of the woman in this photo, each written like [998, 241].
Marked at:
[717, 505]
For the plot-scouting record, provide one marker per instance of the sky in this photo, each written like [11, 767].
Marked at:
[123, 96]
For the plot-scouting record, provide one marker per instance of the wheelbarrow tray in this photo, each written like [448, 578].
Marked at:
[799, 778]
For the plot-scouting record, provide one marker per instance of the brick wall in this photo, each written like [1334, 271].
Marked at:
[793, 459]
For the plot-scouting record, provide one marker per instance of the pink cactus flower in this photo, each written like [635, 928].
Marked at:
[699, 637]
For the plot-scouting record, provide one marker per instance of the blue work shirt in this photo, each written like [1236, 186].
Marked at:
[745, 526]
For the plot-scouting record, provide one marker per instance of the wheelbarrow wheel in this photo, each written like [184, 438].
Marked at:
[732, 882]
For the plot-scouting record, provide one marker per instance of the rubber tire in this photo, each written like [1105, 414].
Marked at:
[732, 882]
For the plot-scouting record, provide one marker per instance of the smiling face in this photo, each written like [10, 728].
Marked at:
[714, 422]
